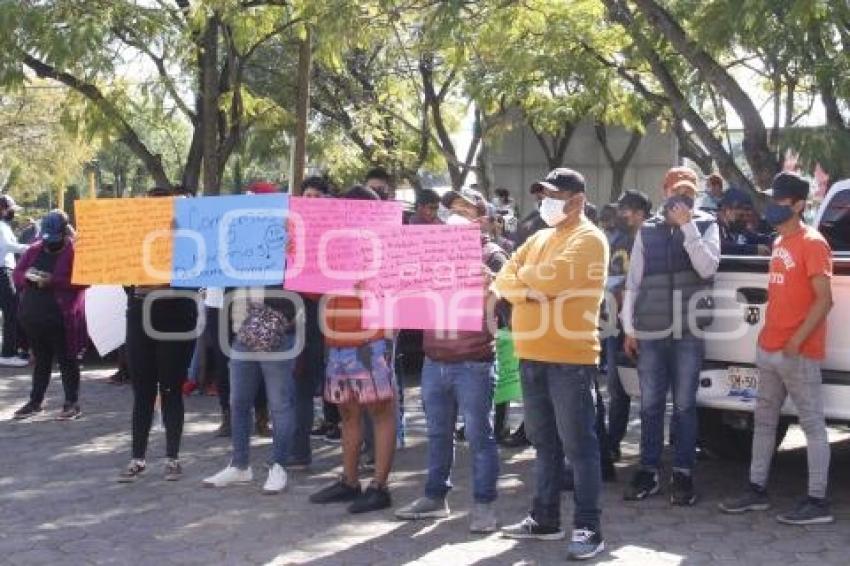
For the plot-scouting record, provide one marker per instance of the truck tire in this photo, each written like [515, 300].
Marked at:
[728, 435]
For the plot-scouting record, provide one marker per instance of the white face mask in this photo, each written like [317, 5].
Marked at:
[552, 211]
[457, 220]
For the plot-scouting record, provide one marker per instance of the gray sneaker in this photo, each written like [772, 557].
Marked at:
[424, 508]
[483, 519]
[810, 511]
[585, 544]
[755, 499]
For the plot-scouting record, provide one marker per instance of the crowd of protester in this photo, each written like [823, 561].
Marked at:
[634, 254]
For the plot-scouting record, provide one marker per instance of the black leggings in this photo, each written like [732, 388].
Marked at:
[9, 307]
[48, 344]
[159, 366]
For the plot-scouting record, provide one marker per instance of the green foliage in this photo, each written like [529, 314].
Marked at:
[556, 62]
[37, 154]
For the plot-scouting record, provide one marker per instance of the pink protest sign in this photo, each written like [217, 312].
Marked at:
[324, 254]
[424, 277]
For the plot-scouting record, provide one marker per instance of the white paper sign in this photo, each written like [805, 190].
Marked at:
[106, 317]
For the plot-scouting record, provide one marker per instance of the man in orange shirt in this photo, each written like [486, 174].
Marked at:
[791, 348]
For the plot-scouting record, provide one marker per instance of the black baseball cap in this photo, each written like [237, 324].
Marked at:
[788, 185]
[561, 180]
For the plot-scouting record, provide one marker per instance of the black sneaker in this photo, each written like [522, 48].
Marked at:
[132, 472]
[333, 434]
[644, 484]
[29, 410]
[810, 511]
[69, 412]
[375, 498]
[755, 499]
[682, 489]
[585, 544]
[529, 528]
[173, 470]
[320, 430]
[120, 377]
[517, 439]
[337, 492]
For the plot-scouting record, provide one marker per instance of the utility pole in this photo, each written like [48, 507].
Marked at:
[298, 156]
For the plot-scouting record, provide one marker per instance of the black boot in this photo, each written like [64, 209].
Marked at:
[224, 428]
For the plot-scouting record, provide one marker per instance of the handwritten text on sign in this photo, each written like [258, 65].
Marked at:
[426, 277]
[229, 241]
[123, 241]
[325, 233]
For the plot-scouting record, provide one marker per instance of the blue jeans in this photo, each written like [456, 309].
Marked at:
[665, 365]
[246, 377]
[466, 387]
[618, 400]
[559, 401]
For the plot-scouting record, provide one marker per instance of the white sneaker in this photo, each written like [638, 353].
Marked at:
[229, 476]
[276, 481]
[14, 362]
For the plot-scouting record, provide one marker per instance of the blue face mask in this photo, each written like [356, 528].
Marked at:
[777, 214]
[678, 199]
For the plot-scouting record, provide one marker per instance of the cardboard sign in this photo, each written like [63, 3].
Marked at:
[508, 384]
[106, 318]
[424, 277]
[230, 241]
[323, 255]
[123, 241]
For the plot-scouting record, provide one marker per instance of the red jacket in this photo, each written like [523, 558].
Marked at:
[467, 346]
[71, 298]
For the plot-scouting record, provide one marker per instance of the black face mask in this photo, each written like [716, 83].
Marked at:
[622, 224]
[10, 215]
[54, 246]
[678, 199]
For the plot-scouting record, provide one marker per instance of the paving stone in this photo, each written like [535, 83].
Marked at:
[61, 503]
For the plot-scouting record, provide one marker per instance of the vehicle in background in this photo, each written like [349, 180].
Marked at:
[729, 377]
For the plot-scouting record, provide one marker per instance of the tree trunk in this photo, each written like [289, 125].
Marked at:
[482, 166]
[762, 160]
[677, 101]
[557, 151]
[153, 163]
[618, 166]
[688, 148]
[302, 105]
[210, 111]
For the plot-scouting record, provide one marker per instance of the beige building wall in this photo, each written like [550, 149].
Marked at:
[518, 160]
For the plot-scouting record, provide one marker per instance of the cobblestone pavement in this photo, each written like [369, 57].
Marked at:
[60, 502]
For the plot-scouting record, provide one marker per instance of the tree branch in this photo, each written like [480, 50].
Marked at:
[152, 162]
[159, 62]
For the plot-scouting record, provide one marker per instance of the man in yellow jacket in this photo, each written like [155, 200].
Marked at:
[556, 283]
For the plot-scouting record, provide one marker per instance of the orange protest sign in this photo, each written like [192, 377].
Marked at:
[123, 241]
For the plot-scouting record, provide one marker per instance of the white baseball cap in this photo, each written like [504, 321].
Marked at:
[6, 201]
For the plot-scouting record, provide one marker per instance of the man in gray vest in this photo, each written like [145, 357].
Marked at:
[673, 262]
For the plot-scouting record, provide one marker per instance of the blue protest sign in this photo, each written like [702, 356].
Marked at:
[230, 241]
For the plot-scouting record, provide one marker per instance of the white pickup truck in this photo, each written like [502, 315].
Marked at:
[729, 378]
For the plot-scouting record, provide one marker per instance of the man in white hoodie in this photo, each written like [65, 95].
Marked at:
[9, 246]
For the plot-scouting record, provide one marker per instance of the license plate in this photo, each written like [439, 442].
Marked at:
[743, 381]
